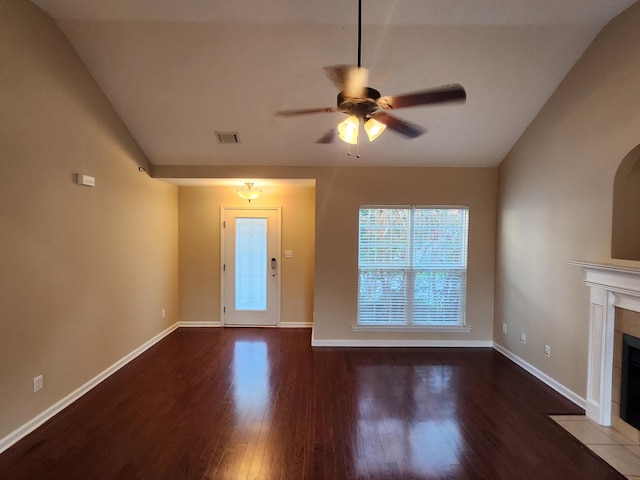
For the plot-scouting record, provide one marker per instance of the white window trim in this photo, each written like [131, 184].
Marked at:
[402, 327]
[422, 327]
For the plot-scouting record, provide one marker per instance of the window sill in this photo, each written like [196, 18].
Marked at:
[411, 328]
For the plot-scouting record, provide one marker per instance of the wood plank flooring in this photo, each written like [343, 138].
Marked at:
[262, 404]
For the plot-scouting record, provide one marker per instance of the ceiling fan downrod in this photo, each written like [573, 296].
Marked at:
[359, 31]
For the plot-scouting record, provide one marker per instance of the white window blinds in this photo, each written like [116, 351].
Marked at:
[412, 265]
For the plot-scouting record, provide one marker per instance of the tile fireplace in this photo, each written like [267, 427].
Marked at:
[611, 288]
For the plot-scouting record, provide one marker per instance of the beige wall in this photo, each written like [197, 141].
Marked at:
[556, 200]
[200, 249]
[339, 194]
[85, 271]
[342, 191]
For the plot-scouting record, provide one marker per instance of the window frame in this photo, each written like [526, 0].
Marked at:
[408, 321]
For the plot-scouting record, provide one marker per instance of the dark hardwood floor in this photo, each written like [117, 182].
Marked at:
[262, 404]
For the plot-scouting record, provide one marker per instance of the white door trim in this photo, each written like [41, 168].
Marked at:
[223, 212]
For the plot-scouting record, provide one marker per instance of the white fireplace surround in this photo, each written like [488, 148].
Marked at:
[611, 286]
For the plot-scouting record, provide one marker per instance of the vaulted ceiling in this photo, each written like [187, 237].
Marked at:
[177, 72]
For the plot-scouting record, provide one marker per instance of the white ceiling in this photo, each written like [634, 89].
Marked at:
[176, 72]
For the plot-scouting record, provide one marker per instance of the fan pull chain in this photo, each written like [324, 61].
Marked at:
[357, 150]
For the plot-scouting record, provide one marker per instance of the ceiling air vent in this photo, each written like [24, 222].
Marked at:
[228, 137]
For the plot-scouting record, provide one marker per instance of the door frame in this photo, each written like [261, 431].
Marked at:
[223, 212]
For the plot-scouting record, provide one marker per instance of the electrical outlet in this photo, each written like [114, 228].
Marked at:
[38, 383]
[523, 338]
[547, 350]
[504, 327]
[163, 313]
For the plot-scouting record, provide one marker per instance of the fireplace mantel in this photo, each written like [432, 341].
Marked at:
[611, 286]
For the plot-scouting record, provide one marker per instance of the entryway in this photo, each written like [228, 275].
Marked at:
[251, 266]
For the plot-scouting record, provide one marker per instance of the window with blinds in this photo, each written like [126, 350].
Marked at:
[412, 265]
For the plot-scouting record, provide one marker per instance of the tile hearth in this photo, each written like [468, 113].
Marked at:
[616, 449]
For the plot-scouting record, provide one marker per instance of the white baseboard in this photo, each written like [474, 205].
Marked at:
[199, 324]
[400, 343]
[57, 407]
[557, 386]
[220, 324]
[295, 325]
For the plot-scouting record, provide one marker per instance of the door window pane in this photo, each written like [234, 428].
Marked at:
[251, 264]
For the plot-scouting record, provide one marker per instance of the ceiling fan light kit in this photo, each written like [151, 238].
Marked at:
[359, 101]
[348, 130]
[373, 128]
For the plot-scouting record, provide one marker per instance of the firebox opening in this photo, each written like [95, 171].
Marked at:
[630, 391]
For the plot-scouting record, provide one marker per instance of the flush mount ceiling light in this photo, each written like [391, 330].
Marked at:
[365, 104]
[249, 192]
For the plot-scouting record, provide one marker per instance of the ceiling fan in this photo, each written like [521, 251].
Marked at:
[361, 102]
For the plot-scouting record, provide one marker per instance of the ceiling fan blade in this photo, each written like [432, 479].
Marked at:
[349, 79]
[328, 137]
[444, 94]
[356, 82]
[305, 111]
[338, 74]
[404, 128]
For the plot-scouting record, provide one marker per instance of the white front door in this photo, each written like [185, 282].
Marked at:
[251, 266]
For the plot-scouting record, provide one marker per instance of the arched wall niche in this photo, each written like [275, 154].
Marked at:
[625, 232]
